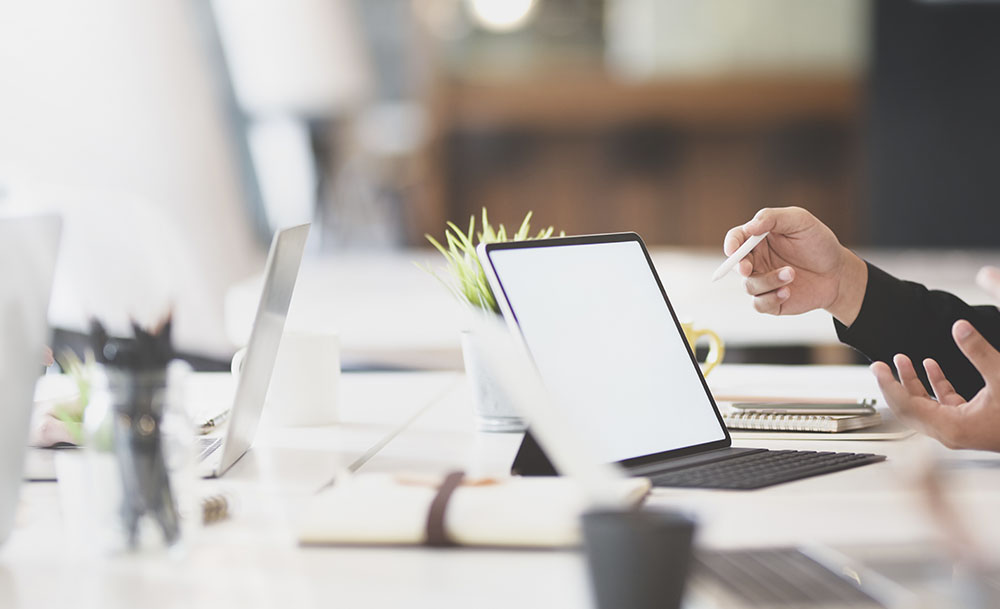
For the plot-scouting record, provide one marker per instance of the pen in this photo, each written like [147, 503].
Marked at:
[738, 255]
[211, 423]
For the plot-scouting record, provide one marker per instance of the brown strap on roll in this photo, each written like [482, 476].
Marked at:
[436, 534]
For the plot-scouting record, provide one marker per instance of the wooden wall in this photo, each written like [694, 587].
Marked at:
[679, 162]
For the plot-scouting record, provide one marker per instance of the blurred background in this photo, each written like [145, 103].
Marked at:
[175, 135]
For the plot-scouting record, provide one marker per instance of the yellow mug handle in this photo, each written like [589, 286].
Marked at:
[716, 348]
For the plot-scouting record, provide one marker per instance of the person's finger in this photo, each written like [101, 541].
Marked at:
[763, 221]
[978, 350]
[771, 302]
[766, 282]
[745, 267]
[734, 239]
[908, 376]
[779, 220]
[892, 390]
[943, 389]
[988, 278]
[923, 413]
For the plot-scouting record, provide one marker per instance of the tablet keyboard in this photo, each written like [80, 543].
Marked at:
[763, 468]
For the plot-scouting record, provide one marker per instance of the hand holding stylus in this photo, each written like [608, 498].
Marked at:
[800, 265]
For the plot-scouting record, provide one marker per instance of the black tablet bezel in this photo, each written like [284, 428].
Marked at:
[726, 441]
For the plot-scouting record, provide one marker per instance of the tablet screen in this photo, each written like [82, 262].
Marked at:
[607, 347]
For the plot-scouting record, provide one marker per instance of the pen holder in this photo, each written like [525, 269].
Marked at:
[638, 559]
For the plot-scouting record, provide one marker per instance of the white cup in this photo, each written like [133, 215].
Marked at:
[306, 379]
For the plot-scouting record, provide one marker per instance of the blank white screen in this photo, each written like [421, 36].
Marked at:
[607, 347]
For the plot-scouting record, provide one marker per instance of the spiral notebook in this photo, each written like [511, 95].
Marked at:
[799, 422]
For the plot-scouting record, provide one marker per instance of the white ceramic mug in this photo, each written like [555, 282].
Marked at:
[306, 379]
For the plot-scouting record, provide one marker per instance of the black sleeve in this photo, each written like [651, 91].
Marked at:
[905, 317]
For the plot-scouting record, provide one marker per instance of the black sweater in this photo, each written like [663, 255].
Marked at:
[905, 317]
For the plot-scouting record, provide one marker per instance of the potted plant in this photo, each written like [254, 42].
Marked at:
[466, 280]
[61, 420]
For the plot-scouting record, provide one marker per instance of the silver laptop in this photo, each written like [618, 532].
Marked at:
[28, 247]
[218, 454]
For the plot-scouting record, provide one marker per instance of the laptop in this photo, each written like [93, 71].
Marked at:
[220, 453]
[28, 247]
[600, 328]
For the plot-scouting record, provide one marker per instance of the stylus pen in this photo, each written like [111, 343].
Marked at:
[737, 256]
[214, 422]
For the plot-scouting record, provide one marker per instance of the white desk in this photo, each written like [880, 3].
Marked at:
[252, 560]
[388, 311]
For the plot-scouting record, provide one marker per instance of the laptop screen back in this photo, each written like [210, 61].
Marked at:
[607, 344]
[280, 273]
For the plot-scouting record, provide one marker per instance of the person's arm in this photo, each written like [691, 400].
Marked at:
[904, 317]
[801, 266]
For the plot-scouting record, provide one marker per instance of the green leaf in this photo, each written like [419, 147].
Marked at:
[437, 245]
[522, 233]
[458, 249]
[464, 239]
[488, 235]
[449, 286]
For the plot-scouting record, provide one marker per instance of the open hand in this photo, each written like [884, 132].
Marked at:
[951, 419]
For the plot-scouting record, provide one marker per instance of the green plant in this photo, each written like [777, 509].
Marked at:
[468, 280]
[71, 412]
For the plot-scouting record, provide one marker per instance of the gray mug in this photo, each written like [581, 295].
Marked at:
[638, 559]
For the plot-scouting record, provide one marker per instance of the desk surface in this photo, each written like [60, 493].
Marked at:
[360, 296]
[252, 560]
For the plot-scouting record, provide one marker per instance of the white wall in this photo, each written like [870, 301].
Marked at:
[111, 106]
